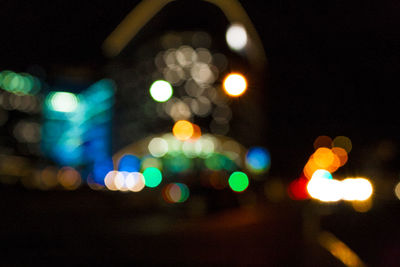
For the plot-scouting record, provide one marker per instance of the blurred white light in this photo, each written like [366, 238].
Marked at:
[161, 91]
[64, 102]
[356, 189]
[236, 37]
[109, 180]
[158, 147]
[137, 180]
[324, 189]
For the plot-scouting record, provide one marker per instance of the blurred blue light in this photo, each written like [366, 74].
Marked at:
[129, 163]
[258, 159]
[100, 169]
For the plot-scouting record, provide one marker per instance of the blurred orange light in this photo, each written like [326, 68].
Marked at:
[235, 84]
[310, 167]
[341, 154]
[323, 157]
[183, 130]
[69, 178]
[196, 132]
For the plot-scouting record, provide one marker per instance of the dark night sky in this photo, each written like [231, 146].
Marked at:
[332, 66]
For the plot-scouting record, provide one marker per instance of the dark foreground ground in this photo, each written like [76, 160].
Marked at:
[100, 228]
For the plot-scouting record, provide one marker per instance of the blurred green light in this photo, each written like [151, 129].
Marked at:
[152, 177]
[161, 91]
[238, 181]
[63, 102]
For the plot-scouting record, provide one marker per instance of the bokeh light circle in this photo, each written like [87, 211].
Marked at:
[236, 36]
[161, 91]
[235, 84]
[152, 177]
[183, 130]
[258, 159]
[238, 181]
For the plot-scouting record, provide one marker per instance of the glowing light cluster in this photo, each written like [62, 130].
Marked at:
[328, 155]
[19, 83]
[175, 193]
[124, 181]
[324, 188]
[235, 84]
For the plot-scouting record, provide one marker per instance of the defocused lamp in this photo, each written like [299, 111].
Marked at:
[161, 91]
[235, 84]
[236, 37]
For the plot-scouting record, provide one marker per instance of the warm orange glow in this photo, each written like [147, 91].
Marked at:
[183, 130]
[69, 178]
[196, 132]
[323, 157]
[235, 84]
[310, 168]
[341, 154]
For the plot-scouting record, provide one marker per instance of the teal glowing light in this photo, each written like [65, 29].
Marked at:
[161, 91]
[322, 174]
[238, 181]
[62, 102]
[152, 177]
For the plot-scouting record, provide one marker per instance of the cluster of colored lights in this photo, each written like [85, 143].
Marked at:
[77, 127]
[188, 86]
[19, 83]
[329, 155]
[317, 181]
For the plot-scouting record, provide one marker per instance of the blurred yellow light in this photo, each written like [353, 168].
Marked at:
[343, 142]
[340, 250]
[362, 206]
[356, 189]
[235, 84]
[183, 130]
[397, 190]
